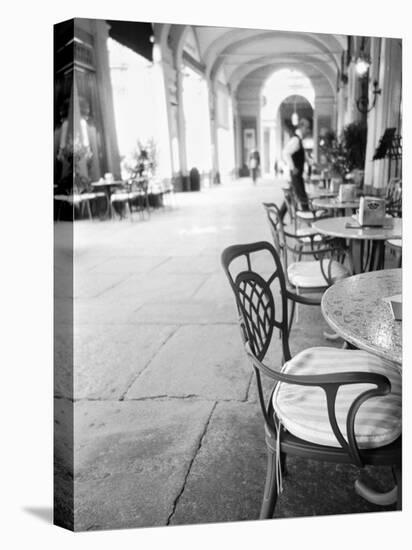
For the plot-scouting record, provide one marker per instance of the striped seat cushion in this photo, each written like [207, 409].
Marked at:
[303, 409]
[121, 196]
[308, 215]
[309, 274]
[77, 197]
[316, 237]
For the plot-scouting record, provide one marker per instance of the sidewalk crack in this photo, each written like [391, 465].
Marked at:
[173, 332]
[176, 501]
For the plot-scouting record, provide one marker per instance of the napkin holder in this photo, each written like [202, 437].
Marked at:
[371, 212]
[347, 192]
[335, 184]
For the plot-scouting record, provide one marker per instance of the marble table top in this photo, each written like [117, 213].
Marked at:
[355, 308]
[336, 227]
[107, 183]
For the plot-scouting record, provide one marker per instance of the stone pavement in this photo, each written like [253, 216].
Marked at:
[167, 428]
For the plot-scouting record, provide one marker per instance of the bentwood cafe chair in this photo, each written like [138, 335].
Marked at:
[327, 404]
[317, 263]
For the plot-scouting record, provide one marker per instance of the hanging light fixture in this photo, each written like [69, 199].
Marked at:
[295, 117]
[362, 65]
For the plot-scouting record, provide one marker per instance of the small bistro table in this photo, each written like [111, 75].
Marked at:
[337, 227]
[356, 310]
[107, 186]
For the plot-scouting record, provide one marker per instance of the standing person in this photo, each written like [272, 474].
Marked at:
[294, 155]
[254, 162]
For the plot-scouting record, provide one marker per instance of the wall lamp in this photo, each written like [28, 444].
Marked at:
[362, 66]
[363, 102]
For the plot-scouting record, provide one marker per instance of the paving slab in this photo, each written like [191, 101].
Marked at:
[314, 488]
[133, 455]
[206, 263]
[216, 289]
[141, 289]
[228, 474]
[230, 468]
[105, 310]
[129, 264]
[131, 460]
[205, 361]
[187, 312]
[90, 284]
[106, 362]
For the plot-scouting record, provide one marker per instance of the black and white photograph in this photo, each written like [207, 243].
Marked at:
[206, 275]
[228, 284]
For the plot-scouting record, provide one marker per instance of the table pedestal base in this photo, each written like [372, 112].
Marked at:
[376, 497]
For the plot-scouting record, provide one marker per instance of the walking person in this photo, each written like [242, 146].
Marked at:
[294, 156]
[254, 163]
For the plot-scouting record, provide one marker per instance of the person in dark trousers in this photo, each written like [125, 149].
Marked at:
[294, 155]
[254, 162]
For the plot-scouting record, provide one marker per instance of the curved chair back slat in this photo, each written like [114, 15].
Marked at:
[254, 296]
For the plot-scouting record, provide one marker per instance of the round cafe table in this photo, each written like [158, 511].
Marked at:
[347, 228]
[107, 186]
[356, 310]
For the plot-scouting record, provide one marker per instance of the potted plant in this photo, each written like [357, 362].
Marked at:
[354, 138]
[345, 155]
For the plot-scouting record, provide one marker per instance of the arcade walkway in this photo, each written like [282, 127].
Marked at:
[168, 429]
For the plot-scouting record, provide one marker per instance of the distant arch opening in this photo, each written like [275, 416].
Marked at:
[286, 96]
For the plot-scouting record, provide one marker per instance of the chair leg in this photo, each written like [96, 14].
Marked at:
[89, 210]
[292, 313]
[270, 494]
[283, 464]
[129, 206]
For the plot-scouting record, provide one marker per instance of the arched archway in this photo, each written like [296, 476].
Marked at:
[285, 92]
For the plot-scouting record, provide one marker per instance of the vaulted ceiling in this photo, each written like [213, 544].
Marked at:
[245, 57]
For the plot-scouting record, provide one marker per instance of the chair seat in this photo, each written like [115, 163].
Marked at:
[309, 274]
[303, 409]
[308, 231]
[120, 196]
[309, 215]
[75, 198]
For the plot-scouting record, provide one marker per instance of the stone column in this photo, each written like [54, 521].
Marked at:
[101, 33]
[181, 123]
[315, 135]
[238, 135]
[387, 70]
[214, 121]
[169, 79]
[341, 108]
[354, 91]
